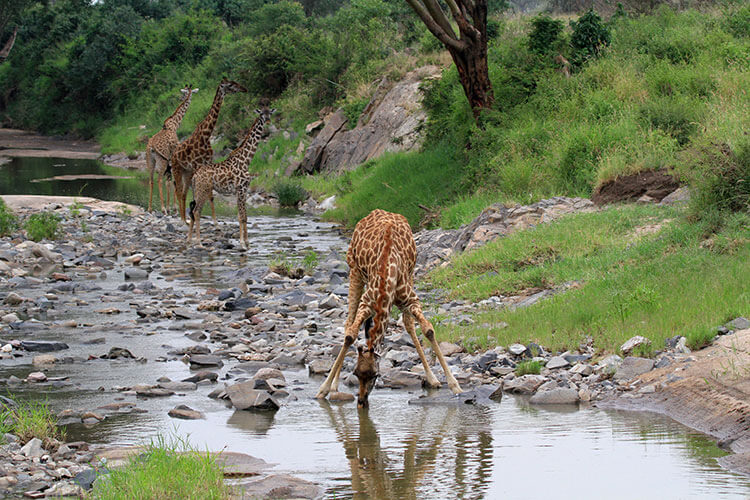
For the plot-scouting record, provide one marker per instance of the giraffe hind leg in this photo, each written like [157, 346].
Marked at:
[432, 380]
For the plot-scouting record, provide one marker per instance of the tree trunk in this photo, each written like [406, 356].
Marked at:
[475, 78]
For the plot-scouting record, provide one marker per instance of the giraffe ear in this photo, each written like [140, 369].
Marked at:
[258, 111]
[273, 110]
[194, 91]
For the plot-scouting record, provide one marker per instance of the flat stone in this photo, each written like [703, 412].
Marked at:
[64, 489]
[36, 377]
[135, 273]
[186, 413]
[280, 486]
[398, 378]
[154, 393]
[44, 359]
[178, 386]
[517, 349]
[340, 397]
[202, 375]
[739, 324]
[449, 348]
[485, 395]
[206, 360]
[320, 366]
[269, 373]
[33, 448]
[556, 396]
[244, 397]
[525, 384]
[118, 353]
[557, 362]
[43, 345]
[582, 369]
[632, 343]
[631, 367]
[235, 464]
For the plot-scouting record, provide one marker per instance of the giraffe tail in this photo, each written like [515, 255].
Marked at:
[168, 171]
[192, 207]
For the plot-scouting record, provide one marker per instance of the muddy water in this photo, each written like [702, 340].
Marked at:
[394, 450]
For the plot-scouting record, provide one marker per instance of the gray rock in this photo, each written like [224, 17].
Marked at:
[178, 386]
[483, 395]
[557, 362]
[680, 196]
[739, 324]
[135, 273]
[155, 392]
[631, 367]
[632, 343]
[64, 489]
[517, 349]
[331, 302]
[280, 486]
[43, 345]
[320, 366]
[33, 448]
[556, 396]
[244, 397]
[525, 384]
[202, 375]
[186, 413]
[85, 479]
[36, 377]
[397, 379]
[205, 360]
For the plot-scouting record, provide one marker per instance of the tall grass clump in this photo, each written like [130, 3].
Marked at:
[289, 193]
[29, 420]
[8, 220]
[528, 367]
[168, 469]
[42, 225]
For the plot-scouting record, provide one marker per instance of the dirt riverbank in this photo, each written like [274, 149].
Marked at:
[15, 142]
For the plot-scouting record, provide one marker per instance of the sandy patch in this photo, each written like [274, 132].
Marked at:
[35, 203]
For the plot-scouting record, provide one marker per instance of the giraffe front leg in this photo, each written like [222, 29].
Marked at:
[351, 335]
[242, 216]
[432, 380]
[428, 331]
[150, 167]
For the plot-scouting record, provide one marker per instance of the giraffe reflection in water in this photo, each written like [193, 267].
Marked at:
[446, 454]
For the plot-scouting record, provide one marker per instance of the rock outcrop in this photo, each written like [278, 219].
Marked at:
[436, 246]
[390, 122]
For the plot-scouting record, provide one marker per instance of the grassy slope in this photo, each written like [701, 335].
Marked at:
[644, 271]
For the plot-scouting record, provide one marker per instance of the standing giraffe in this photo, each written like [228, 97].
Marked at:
[381, 257]
[161, 146]
[196, 149]
[228, 177]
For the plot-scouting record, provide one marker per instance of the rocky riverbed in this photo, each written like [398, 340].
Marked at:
[122, 310]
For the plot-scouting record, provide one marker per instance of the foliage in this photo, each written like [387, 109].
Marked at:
[8, 220]
[544, 33]
[719, 176]
[166, 470]
[42, 225]
[29, 420]
[528, 367]
[590, 36]
[625, 282]
[289, 193]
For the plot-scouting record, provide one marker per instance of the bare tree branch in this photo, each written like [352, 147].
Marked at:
[5, 52]
[439, 16]
[434, 28]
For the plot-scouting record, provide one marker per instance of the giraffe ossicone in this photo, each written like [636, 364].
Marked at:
[381, 257]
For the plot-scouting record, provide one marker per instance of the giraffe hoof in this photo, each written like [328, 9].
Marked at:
[432, 384]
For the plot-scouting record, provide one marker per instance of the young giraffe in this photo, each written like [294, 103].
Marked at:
[161, 146]
[381, 257]
[196, 149]
[228, 177]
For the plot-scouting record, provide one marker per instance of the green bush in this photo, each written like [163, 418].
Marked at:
[719, 175]
[289, 193]
[676, 116]
[590, 36]
[544, 34]
[42, 225]
[8, 220]
[528, 367]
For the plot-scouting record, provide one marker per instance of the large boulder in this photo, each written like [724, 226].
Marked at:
[391, 122]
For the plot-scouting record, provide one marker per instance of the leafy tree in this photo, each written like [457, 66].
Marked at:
[468, 47]
[590, 35]
[544, 33]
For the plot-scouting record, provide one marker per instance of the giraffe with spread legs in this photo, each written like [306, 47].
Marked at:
[161, 146]
[381, 258]
[229, 177]
[196, 150]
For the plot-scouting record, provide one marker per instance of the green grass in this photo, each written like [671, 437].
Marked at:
[28, 420]
[42, 225]
[658, 284]
[398, 182]
[528, 367]
[166, 470]
[8, 220]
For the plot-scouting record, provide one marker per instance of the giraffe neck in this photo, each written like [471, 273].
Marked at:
[246, 151]
[206, 127]
[173, 122]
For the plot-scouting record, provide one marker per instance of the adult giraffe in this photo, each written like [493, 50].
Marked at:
[196, 150]
[161, 146]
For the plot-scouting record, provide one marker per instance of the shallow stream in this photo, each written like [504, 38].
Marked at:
[394, 450]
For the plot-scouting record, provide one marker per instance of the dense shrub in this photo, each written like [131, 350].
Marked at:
[719, 175]
[544, 34]
[289, 193]
[8, 220]
[676, 116]
[590, 36]
[42, 225]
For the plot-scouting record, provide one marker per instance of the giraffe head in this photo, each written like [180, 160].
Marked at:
[367, 368]
[265, 113]
[230, 87]
[188, 89]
